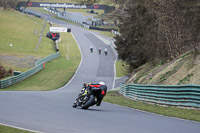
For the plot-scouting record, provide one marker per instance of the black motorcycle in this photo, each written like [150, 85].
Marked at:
[88, 96]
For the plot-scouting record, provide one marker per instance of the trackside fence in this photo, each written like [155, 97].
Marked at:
[24, 75]
[68, 18]
[175, 95]
[115, 32]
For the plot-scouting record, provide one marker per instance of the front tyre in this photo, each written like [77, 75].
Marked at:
[89, 103]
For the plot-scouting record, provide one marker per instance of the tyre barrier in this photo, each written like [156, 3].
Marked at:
[175, 95]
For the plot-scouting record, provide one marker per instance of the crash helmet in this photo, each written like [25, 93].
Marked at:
[101, 83]
[85, 84]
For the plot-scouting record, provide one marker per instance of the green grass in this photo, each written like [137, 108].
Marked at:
[6, 129]
[121, 68]
[115, 98]
[105, 33]
[18, 29]
[57, 72]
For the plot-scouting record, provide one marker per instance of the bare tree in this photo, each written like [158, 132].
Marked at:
[4, 4]
[8, 4]
[3, 72]
[157, 30]
[177, 23]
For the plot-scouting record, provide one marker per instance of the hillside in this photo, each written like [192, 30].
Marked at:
[183, 70]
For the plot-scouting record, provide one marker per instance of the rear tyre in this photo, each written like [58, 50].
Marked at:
[89, 103]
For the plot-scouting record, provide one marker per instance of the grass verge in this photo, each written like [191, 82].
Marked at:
[105, 33]
[116, 98]
[57, 72]
[7, 129]
[121, 68]
[18, 29]
[23, 32]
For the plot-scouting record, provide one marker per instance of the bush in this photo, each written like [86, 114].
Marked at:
[4, 73]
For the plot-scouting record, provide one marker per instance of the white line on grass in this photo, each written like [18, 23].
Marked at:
[79, 63]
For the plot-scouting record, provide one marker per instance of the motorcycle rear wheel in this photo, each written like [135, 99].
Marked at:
[89, 103]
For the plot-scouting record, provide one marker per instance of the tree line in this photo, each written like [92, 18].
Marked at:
[151, 30]
[9, 3]
[157, 30]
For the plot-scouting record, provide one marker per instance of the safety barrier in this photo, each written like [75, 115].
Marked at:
[27, 11]
[176, 95]
[68, 18]
[48, 58]
[115, 32]
[84, 24]
[38, 66]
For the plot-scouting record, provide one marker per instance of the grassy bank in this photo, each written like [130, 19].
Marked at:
[18, 29]
[182, 70]
[121, 68]
[116, 98]
[19, 37]
[57, 72]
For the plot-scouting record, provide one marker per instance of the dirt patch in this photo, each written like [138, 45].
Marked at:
[182, 70]
[196, 70]
[18, 60]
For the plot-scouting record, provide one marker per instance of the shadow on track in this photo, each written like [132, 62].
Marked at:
[91, 109]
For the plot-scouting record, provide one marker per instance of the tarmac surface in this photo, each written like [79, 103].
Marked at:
[52, 112]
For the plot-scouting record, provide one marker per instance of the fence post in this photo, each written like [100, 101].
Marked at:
[43, 64]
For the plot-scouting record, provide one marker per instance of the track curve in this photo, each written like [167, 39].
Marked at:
[52, 111]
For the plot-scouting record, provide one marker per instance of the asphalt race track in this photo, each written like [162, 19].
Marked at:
[52, 112]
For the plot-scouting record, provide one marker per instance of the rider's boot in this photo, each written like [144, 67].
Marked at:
[74, 104]
[98, 103]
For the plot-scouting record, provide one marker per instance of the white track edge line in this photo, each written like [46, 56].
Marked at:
[114, 74]
[79, 63]
[20, 128]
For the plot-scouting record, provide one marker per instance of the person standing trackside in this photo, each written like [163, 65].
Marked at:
[91, 49]
[106, 51]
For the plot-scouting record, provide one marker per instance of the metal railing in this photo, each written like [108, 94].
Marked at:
[176, 95]
[24, 75]
[69, 18]
[115, 32]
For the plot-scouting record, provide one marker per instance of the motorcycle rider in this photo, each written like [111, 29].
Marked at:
[99, 88]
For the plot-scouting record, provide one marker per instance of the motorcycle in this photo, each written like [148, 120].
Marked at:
[88, 97]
